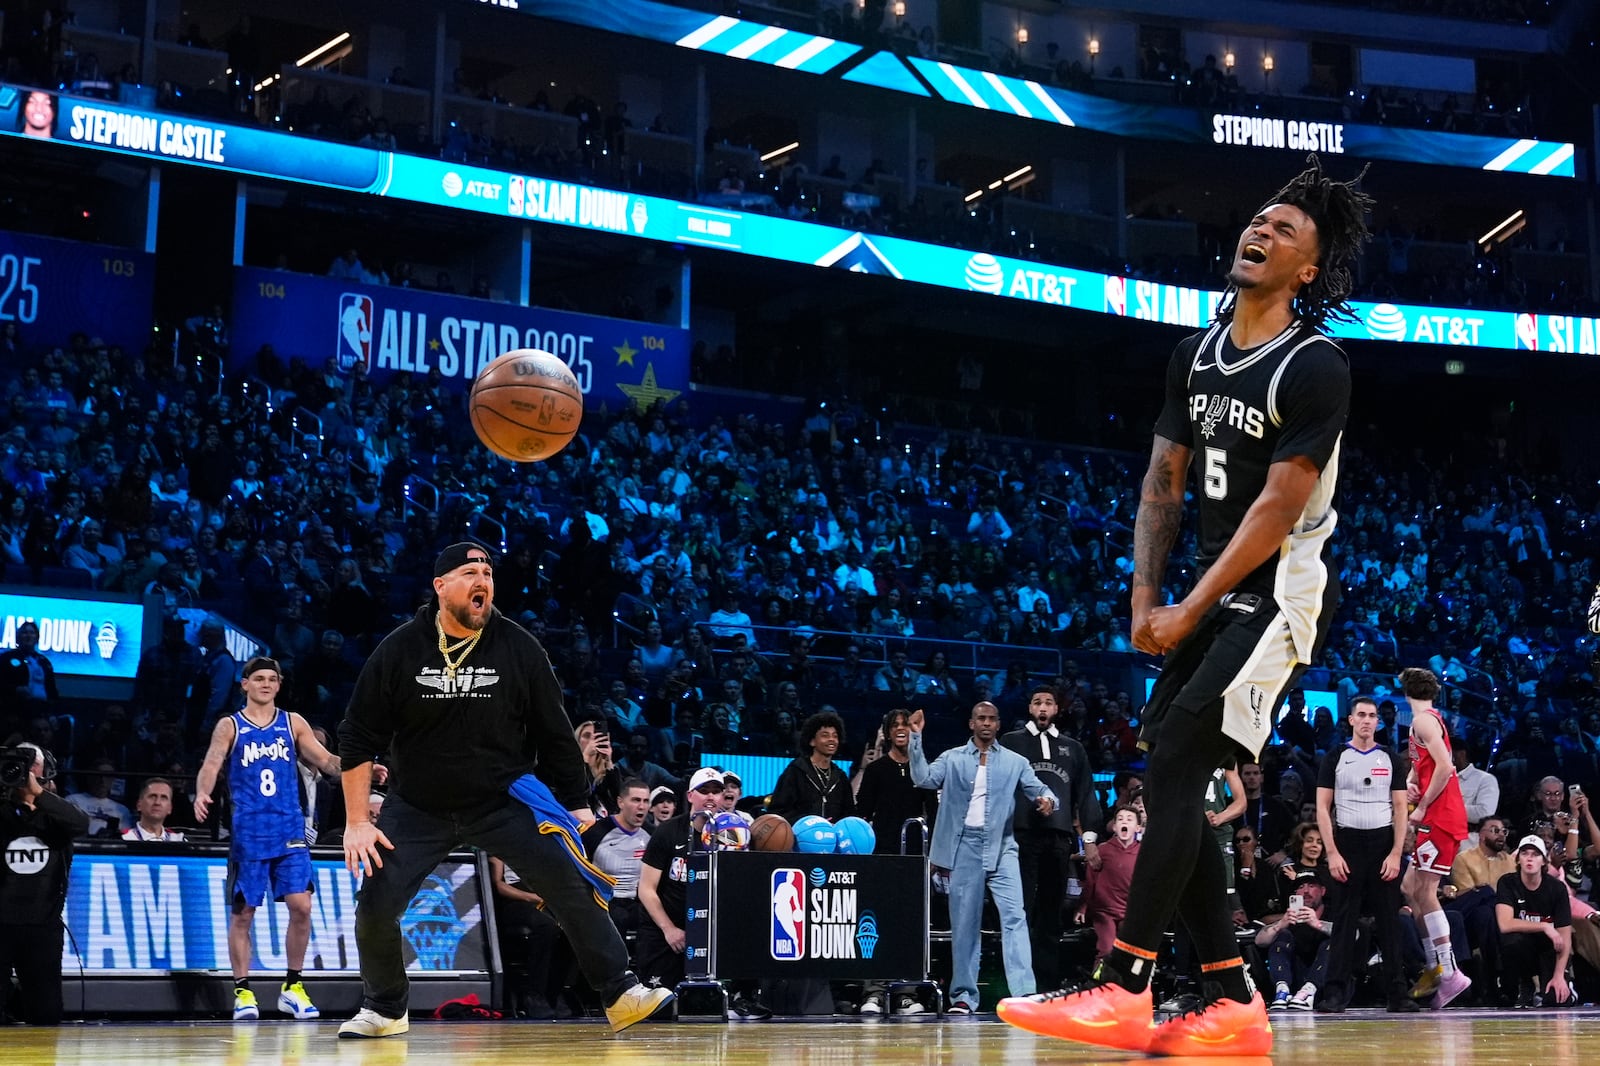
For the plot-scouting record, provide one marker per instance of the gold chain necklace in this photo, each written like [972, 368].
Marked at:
[446, 649]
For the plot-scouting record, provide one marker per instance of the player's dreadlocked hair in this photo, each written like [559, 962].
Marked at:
[1339, 210]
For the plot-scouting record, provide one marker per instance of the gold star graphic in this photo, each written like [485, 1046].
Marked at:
[625, 353]
[433, 344]
[647, 393]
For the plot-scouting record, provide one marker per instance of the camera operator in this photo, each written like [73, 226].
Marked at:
[37, 827]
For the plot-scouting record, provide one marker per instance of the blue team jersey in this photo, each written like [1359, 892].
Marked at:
[264, 784]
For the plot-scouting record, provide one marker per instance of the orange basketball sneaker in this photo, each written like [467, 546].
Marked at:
[1225, 1027]
[1106, 1015]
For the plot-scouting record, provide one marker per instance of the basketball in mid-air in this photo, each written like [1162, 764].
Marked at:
[771, 833]
[526, 405]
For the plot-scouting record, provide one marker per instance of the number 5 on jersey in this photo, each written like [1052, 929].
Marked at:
[1215, 474]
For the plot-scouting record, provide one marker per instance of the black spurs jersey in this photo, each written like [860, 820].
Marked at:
[1240, 411]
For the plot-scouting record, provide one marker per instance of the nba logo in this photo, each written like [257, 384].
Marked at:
[788, 915]
[1116, 295]
[355, 331]
[514, 195]
[1528, 332]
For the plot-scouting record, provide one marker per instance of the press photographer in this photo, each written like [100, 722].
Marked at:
[37, 827]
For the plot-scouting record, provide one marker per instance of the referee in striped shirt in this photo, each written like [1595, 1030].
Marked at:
[1361, 812]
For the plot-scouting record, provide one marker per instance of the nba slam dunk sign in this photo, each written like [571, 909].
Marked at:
[385, 330]
[800, 915]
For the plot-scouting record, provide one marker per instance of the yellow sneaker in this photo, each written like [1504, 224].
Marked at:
[637, 1004]
[244, 1005]
[1427, 984]
[293, 1001]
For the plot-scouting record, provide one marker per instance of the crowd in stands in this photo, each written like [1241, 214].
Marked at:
[706, 584]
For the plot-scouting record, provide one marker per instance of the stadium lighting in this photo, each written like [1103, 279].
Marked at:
[1505, 230]
[323, 49]
[776, 152]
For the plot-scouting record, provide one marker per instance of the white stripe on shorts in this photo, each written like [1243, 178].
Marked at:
[1252, 697]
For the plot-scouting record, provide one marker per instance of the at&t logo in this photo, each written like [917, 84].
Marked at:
[984, 274]
[1386, 322]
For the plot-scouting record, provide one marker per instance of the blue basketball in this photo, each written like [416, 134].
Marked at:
[815, 834]
[855, 836]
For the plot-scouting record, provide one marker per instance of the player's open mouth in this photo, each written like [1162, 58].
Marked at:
[1253, 253]
[477, 601]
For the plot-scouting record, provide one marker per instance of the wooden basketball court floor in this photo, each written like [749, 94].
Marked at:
[1457, 1038]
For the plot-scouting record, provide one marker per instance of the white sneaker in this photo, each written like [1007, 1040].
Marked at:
[1305, 999]
[909, 1005]
[872, 1005]
[369, 1023]
[294, 1001]
[637, 1004]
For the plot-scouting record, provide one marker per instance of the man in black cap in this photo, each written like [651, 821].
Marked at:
[1297, 946]
[465, 703]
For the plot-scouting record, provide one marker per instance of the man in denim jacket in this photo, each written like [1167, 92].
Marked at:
[972, 840]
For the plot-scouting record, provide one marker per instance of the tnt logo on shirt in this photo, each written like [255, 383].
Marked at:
[788, 915]
[27, 855]
[354, 344]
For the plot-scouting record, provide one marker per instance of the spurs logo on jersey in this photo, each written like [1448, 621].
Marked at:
[1241, 410]
[469, 681]
[1216, 410]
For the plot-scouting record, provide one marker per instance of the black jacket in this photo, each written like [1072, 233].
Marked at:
[1066, 772]
[799, 792]
[457, 746]
[38, 846]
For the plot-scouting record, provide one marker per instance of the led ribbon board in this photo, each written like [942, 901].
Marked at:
[654, 218]
[1021, 97]
[1032, 100]
[159, 910]
[714, 34]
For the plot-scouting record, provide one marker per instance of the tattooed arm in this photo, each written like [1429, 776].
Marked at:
[1155, 530]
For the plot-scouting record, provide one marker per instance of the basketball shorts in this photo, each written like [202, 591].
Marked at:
[250, 879]
[1237, 666]
[1436, 850]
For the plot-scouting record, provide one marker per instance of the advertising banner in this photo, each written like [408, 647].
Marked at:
[91, 638]
[153, 910]
[391, 330]
[840, 917]
[53, 288]
[158, 135]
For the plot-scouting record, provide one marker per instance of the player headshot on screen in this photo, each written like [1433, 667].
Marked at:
[39, 116]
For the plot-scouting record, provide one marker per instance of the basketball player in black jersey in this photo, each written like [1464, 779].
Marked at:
[1258, 402]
